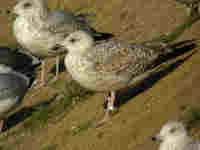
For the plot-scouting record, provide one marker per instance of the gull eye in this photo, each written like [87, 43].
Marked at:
[172, 130]
[27, 5]
[56, 47]
[72, 40]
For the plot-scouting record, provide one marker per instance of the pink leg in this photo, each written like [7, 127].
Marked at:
[111, 100]
[110, 108]
[57, 70]
[57, 67]
[41, 83]
[42, 73]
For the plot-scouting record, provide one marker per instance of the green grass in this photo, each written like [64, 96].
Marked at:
[178, 31]
[192, 115]
[50, 147]
[82, 127]
[70, 94]
[47, 114]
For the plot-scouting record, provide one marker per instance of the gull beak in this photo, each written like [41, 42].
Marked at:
[59, 46]
[156, 138]
[58, 49]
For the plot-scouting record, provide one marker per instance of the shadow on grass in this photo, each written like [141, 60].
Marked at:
[26, 113]
[49, 110]
[124, 97]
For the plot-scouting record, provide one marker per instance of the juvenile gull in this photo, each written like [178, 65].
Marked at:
[13, 86]
[112, 65]
[37, 29]
[173, 136]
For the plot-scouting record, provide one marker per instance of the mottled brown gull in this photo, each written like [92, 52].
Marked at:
[112, 65]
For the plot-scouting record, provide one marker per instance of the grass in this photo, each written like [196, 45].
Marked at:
[195, 114]
[56, 108]
[192, 115]
[82, 127]
[178, 31]
[50, 147]
[71, 93]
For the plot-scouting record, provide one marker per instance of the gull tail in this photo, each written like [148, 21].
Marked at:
[172, 49]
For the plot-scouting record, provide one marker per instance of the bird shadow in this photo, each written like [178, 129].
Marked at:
[25, 113]
[103, 36]
[124, 97]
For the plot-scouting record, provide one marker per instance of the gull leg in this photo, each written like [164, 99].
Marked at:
[41, 82]
[111, 100]
[57, 70]
[43, 72]
[57, 67]
[110, 108]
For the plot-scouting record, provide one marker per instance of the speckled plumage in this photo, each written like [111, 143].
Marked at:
[109, 65]
[112, 65]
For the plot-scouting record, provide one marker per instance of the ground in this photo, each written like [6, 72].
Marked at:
[65, 122]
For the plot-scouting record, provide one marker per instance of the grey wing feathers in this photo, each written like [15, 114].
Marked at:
[59, 17]
[66, 23]
[160, 46]
[117, 56]
[12, 85]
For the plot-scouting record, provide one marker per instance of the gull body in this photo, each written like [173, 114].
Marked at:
[112, 65]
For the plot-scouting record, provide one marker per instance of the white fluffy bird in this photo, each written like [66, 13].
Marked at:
[13, 86]
[38, 30]
[173, 136]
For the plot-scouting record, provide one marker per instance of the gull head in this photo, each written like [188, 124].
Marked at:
[30, 7]
[172, 130]
[78, 42]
